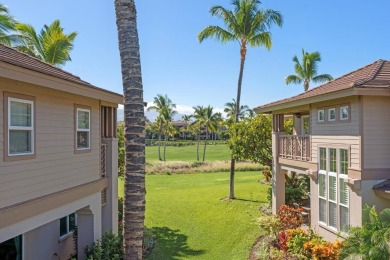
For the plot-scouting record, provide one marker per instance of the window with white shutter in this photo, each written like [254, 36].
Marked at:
[333, 189]
[322, 187]
[344, 191]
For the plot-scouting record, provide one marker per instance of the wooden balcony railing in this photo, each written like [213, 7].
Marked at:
[296, 147]
[103, 160]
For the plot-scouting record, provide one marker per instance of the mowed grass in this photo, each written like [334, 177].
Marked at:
[218, 152]
[192, 222]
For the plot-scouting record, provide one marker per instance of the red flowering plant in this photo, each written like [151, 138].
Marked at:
[290, 217]
[282, 241]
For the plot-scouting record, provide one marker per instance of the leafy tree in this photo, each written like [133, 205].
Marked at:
[231, 109]
[187, 119]
[251, 139]
[210, 123]
[134, 203]
[8, 35]
[199, 115]
[51, 45]
[152, 129]
[163, 106]
[247, 24]
[307, 70]
[167, 115]
[371, 241]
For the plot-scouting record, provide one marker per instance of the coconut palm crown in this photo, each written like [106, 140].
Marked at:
[8, 36]
[51, 45]
[307, 70]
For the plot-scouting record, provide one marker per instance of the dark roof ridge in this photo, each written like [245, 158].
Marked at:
[372, 75]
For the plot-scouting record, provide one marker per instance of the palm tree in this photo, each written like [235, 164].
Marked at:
[231, 108]
[210, 122]
[51, 45]
[7, 25]
[306, 70]
[134, 199]
[199, 115]
[167, 114]
[161, 103]
[186, 118]
[247, 24]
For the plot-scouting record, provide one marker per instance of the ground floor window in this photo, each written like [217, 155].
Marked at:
[67, 224]
[333, 191]
[12, 249]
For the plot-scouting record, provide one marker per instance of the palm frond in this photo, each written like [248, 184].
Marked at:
[216, 32]
[322, 78]
[294, 79]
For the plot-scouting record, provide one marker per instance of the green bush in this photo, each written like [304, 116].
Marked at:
[108, 247]
[370, 241]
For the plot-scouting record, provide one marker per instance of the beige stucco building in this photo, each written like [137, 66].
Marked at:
[58, 160]
[341, 140]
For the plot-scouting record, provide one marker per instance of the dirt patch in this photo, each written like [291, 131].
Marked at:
[252, 253]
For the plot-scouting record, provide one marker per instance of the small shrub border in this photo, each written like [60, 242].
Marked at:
[289, 241]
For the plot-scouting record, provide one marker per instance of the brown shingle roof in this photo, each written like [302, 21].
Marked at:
[376, 74]
[14, 57]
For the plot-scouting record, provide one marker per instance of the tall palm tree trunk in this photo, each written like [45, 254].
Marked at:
[205, 144]
[233, 162]
[134, 203]
[159, 145]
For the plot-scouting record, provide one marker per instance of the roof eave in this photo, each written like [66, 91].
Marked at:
[305, 101]
[18, 73]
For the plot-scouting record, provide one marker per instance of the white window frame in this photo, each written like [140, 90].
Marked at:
[329, 111]
[323, 115]
[345, 178]
[68, 225]
[341, 113]
[327, 173]
[22, 128]
[323, 172]
[82, 129]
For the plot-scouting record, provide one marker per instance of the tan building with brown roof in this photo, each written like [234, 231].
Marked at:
[58, 159]
[341, 140]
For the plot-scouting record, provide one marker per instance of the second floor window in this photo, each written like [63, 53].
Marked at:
[83, 129]
[332, 114]
[20, 127]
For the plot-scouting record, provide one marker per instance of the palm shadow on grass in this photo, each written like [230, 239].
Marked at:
[171, 245]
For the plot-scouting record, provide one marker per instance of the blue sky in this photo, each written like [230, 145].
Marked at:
[348, 34]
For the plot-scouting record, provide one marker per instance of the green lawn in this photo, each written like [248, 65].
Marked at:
[218, 152]
[192, 222]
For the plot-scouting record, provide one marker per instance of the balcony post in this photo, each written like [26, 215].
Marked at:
[278, 175]
[297, 124]
[110, 209]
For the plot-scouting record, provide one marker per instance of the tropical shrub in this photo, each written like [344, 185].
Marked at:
[276, 254]
[108, 247]
[270, 224]
[321, 250]
[296, 238]
[290, 217]
[371, 241]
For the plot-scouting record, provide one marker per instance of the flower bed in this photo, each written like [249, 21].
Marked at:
[287, 240]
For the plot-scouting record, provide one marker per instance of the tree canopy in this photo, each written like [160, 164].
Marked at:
[307, 70]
